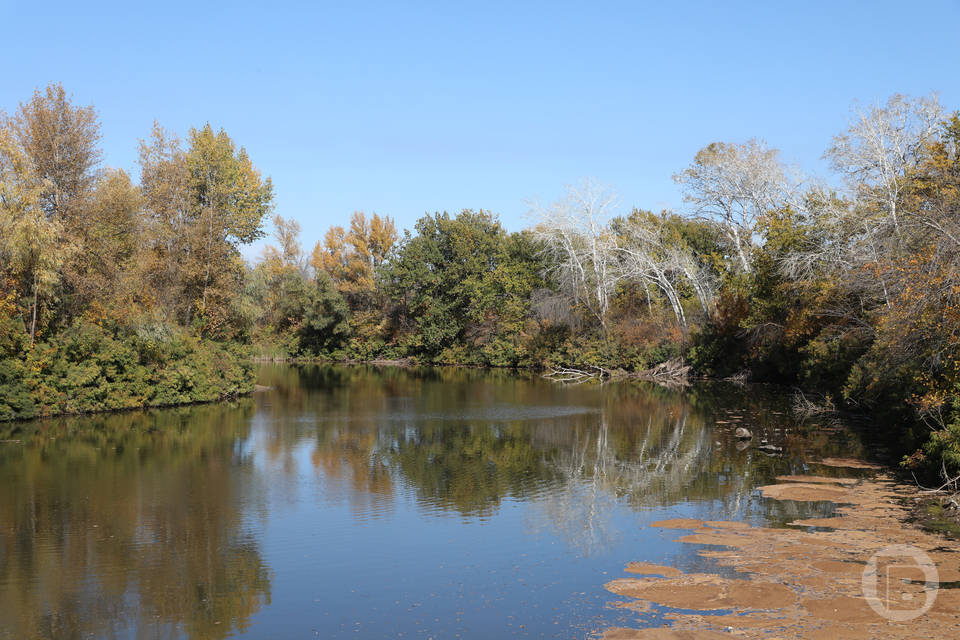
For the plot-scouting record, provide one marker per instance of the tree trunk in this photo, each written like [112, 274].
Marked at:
[33, 320]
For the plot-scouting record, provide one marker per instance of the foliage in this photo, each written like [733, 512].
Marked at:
[460, 289]
[112, 294]
[324, 317]
[857, 294]
[351, 258]
[89, 367]
[115, 294]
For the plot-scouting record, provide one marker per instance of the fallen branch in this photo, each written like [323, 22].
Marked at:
[952, 483]
[576, 376]
[670, 373]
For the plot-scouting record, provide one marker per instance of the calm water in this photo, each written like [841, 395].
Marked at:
[356, 502]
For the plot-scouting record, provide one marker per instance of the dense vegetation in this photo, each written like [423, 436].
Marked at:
[112, 294]
[848, 290]
[118, 294]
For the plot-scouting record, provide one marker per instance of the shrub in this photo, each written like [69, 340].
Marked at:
[89, 367]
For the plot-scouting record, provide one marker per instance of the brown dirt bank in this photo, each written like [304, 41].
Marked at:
[806, 583]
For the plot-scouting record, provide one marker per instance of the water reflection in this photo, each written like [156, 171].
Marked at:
[128, 521]
[466, 440]
[153, 523]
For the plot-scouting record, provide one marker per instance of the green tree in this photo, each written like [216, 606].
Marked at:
[228, 200]
[324, 325]
[99, 276]
[455, 280]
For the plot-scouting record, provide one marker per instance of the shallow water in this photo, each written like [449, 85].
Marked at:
[362, 502]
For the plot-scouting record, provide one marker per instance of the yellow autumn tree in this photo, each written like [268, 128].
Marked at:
[31, 245]
[351, 257]
[202, 204]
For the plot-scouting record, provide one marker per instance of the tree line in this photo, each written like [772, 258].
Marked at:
[846, 285]
[111, 290]
[115, 294]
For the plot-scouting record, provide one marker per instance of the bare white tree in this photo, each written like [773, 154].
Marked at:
[881, 145]
[735, 184]
[647, 255]
[700, 278]
[576, 234]
[859, 234]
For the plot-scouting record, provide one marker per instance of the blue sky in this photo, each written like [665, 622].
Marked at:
[404, 108]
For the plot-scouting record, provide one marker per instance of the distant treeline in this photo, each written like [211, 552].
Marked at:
[848, 288]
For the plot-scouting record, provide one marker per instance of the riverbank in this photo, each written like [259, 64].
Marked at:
[384, 362]
[671, 372]
[869, 571]
[92, 369]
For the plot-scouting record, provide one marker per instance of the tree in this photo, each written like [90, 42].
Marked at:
[332, 255]
[652, 253]
[324, 325]
[166, 220]
[99, 272]
[306, 316]
[917, 342]
[287, 233]
[381, 237]
[444, 281]
[579, 245]
[56, 144]
[61, 142]
[279, 276]
[881, 146]
[31, 245]
[859, 237]
[87, 259]
[351, 257]
[229, 201]
[734, 185]
[164, 183]
[283, 263]
[202, 205]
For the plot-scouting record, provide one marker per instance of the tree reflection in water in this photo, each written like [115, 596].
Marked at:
[464, 441]
[128, 521]
[150, 523]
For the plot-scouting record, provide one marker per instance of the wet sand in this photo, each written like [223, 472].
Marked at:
[807, 580]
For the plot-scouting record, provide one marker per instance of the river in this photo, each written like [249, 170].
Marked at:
[366, 502]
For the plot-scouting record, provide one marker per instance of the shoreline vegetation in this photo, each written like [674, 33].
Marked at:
[669, 373]
[118, 292]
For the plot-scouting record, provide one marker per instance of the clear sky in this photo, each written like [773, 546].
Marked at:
[407, 107]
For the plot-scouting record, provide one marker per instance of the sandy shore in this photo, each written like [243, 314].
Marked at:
[864, 573]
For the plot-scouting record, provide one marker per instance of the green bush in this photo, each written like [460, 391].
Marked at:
[89, 368]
